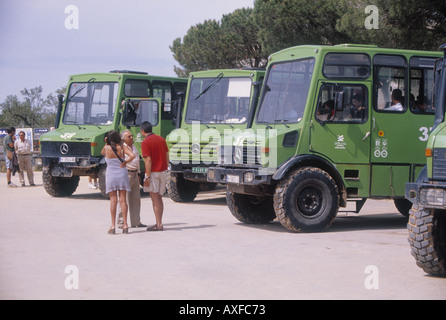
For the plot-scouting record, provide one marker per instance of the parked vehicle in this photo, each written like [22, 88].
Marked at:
[427, 221]
[97, 103]
[218, 102]
[327, 131]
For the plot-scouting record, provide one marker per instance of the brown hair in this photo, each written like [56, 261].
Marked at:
[113, 138]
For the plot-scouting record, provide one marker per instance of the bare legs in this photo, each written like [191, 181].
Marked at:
[158, 209]
[123, 203]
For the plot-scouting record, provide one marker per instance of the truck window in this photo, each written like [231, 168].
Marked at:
[137, 88]
[342, 103]
[390, 80]
[421, 85]
[346, 65]
[91, 103]
[163, 91]
[285, 92]
[219, 100]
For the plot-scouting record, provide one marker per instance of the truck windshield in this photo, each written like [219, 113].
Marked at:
[219, 100]
[285, 92]
[91, 103]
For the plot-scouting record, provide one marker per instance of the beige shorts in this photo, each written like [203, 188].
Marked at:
[158, 182]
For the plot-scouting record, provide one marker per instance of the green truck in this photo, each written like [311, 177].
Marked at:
[95, 104]
[217, 102]
[427, 220]
[333, 124]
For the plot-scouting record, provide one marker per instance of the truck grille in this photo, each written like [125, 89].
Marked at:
[439, 164]
[65, 149]
[245, 155]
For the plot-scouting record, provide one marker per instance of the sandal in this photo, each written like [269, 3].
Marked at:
[155, 228]
[111, 231]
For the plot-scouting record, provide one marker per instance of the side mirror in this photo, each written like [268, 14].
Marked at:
[60, 98]
[177, 108]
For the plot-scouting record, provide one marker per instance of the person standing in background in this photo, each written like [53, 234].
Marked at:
[23, 147]
[134, 196]
[8, 149]
[156, 158]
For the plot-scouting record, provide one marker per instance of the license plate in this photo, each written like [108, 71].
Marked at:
[233, 179]
[67, 159]
[199, 170]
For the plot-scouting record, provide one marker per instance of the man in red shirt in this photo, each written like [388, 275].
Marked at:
[156, 159]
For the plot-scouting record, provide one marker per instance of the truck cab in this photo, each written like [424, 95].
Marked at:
[95, 104]
[217, 103]
[427, 220]
[333, 124]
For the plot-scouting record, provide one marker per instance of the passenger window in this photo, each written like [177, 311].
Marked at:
[342, 103]
[163, 90]
[346, 65]
[390, 80]
[421, 85]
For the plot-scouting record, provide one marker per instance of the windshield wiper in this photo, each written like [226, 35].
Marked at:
[213, 83]
[283, 121]
[93, 124]
[80, 89]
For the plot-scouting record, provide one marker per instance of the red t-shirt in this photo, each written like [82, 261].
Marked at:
[155, 147]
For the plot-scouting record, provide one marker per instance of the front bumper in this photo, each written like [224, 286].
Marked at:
[251, 176]
[426, 195]
[197, 173]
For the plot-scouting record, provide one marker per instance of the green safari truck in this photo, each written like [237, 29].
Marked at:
[217, 102]
[95, 104]
[333, 124]
[427, 220]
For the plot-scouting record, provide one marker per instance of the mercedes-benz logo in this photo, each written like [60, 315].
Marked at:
[64, 148]
[238, 155]
[195, 149]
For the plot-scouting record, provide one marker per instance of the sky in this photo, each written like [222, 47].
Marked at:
[43, 42]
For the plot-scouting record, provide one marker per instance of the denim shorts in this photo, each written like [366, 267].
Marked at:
[8, 162]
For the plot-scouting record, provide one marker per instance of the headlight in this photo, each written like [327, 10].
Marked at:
[211, 174]
[433, 196]
[248, 177]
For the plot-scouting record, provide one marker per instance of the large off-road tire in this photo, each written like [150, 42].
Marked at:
[307, 200]
[180, 189]
[427, 239]
[59, 186]
[251, 209]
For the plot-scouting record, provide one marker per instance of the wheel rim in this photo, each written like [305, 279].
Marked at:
[310, 202]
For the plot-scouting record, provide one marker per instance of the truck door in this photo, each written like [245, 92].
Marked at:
[137, 111]
[341, 126]
[399, 129]
[340, 131]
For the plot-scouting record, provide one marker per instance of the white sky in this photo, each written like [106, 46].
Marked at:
[37, 49]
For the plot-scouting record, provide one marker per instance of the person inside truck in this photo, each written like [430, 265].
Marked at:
[397, 98]
[326, 111]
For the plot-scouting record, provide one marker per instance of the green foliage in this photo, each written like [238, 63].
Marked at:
[31, 111]
[247, 36]
[288, 23]
[404, 24]
[230, 43]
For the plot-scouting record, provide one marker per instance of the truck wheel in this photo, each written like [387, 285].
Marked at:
[427, 239]
[403, 206]
[59, 186]
[251, 209]
[180, 189]
[306, 201]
